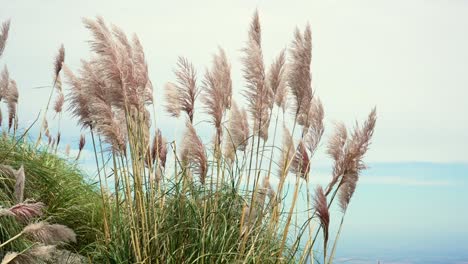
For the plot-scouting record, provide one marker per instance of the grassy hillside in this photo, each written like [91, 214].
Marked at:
[56, 182]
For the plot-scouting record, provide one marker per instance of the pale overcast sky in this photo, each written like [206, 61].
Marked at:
[407, 57]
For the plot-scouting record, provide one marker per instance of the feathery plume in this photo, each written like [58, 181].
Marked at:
[59, 59]
[4, 82]
[321, 208]
[58, 83]
[222, 72]
[8, 171]
[11, 97]
[360, 140]
[181, 95]
[277, 80]
[349, 161]
[122, 66]
[314, 124]
[159, 149]
[110, 57]
[238, 132]
[119, 86]
[59, 103]
[152, 153]
[255, 31]
[4, 86]
[67, 149]
[299, 74]
[19, 185]
[162, 150]
[111, 125]
[217, 92]
[27, 210]
[347, 189]
[337, 142]
[31, 256]
[46, 128]
[287, 152]
[5, 28]
[300, 164]
[212, 98]
[50, 234]
[336, 150]
[257, 93]
[270, 191]
[9, 257]
[92, 82]
[5, 212]
[78, 99]
[43, 252]
[16, 258]
[136, 86]
[141, 71]
[193, 153]
[81, 145]
[173, 103]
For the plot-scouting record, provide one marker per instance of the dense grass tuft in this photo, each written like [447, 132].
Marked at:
[59, 184]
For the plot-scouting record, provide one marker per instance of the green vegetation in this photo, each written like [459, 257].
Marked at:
[57, 183]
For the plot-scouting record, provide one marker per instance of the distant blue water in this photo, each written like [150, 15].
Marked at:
[409, 222]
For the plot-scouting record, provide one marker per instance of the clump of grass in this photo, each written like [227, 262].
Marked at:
[59, 187]
[26, 236]
[179, 214]
[194, 201]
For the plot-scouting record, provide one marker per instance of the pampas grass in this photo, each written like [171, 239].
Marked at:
[299, 77]
[164, 206]
[300, 165]
[237, 132]
[49, 234]
[81, 145]
[277, 80]
[257, 93]
[77, 100]
[181, 96]
[4, 29]
[193, 153]
[16, 258]
[11, 97]
[217, 93]
[59, 59]
[59, 103]
[26, 211]
[19, 185]
[321, 208]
